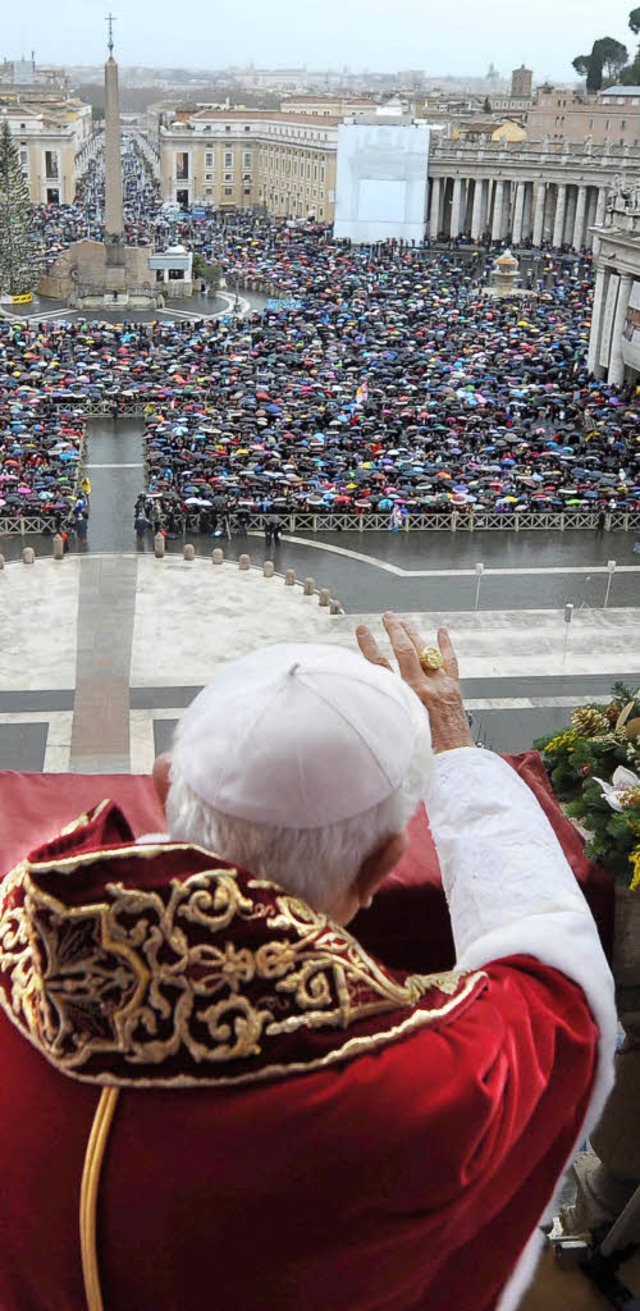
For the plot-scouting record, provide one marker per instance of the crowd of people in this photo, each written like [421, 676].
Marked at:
[388, 380]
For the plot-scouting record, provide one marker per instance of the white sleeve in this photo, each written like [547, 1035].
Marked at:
[509, 886]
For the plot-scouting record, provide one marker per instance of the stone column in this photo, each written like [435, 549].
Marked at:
[456, 207]
[518, 213]
[596, 319]
[615, 376]
[538, 216]
[113, 209]
[561, 209]
[592, 201]
[498, 203]
[601, 210]
[434, 214]
[570, 213]
[527, 215]
[601, 207]
[476, 216]
[578, 227]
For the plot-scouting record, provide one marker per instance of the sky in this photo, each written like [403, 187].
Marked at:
[378, 35]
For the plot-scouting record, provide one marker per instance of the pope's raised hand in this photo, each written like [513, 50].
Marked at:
[438, 689]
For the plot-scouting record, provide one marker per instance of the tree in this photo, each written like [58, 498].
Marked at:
[595, 69]
[581, 64]
[607, 60]
[17, 272]
[486, 108]
[634, 20]
[614, 56]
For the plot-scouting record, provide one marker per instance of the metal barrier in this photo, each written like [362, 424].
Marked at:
[28, 523]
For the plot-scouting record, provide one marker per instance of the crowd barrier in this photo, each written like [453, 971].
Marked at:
[329, 522]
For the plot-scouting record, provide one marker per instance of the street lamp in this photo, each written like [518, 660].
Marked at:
[479, 573]
[611, 566]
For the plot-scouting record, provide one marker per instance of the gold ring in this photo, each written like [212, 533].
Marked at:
[431, 658]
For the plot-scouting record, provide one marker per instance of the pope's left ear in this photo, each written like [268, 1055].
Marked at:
[160, 776]
[376, 866]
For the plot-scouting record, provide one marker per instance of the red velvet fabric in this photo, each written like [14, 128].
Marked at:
[407, 1180]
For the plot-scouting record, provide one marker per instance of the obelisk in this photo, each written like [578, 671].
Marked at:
[113, 210]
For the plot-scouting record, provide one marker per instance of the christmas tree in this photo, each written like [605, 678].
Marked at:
[17, 272]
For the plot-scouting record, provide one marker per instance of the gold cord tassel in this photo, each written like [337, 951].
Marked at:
[94, 1157]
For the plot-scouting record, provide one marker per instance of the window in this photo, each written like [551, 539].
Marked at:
[209, 191]
[208, 159]
[228, 191]
[182, 165]
[208, 177]
[228, 159]
[228, 177]
[227, 127]
[247, 127]
[51, 163]
[623, 124]
[247, 191]
[24, 158]
[322, 172]
[247, 158]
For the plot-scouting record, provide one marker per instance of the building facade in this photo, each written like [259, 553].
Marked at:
[284, 163]
[614, 343]
[611, 118]
[52, 140]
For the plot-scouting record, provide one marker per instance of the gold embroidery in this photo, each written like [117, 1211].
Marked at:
[145, 978]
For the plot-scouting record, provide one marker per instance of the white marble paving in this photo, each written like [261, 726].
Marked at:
[39, 624]
[190, 617]
[193, 616]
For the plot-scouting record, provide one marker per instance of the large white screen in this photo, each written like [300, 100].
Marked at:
[381, 202]
[381, 181]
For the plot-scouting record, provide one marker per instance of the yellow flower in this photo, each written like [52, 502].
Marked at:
[562, 740]
[634, 861]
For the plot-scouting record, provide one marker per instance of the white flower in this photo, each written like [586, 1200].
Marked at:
[622, 780]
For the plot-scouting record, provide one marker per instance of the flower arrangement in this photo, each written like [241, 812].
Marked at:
[594, 768]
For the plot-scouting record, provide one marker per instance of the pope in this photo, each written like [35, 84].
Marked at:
[213, 1095]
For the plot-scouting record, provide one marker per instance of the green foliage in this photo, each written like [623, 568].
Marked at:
[209, 272]
[574, 760]
[486, 108]
[634, 21]
[581, 64]
[614, 56]
[606, 62]
[17, 272]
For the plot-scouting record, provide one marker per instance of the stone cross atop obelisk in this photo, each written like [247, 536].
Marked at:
[113, 212]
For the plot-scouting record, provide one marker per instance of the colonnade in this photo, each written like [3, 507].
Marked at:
[611, 297]
[520, 210]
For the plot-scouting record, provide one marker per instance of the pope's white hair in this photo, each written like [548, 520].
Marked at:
[316, 864]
